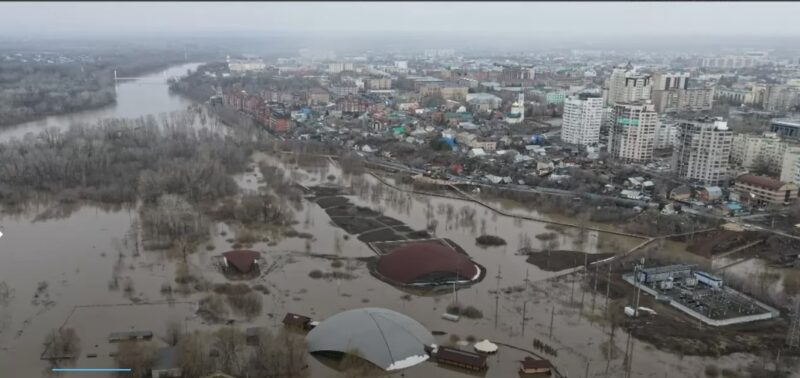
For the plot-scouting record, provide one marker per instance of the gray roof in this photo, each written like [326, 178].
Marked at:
[383, 337]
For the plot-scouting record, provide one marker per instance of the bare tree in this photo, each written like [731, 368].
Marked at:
[230, 343]
[62, 343]
[138, 356]
[193, 355]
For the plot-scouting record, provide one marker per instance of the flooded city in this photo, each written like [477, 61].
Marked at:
[58, 263]
[269, 207]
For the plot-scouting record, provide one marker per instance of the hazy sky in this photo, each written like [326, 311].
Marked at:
[539, 19]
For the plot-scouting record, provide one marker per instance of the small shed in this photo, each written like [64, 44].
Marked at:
[166, 365]
[242, 261]
[460, 358]
[532, 365]
[297, 321]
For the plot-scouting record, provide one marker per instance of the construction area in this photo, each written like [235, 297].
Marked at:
[699, 294]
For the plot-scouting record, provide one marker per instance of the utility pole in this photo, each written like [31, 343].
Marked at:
[793, 336]
[497, 298]
[524, 307]
[552, 315]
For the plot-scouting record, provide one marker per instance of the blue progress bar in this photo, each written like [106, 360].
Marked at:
[72, 370]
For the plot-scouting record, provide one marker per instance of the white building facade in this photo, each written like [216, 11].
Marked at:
[626, 86]
[703, 151]
[582, 119]
[633, 132]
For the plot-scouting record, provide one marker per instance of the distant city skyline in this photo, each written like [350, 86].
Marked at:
[523, 20]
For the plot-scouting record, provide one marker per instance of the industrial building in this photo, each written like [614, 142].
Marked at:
[699, 294]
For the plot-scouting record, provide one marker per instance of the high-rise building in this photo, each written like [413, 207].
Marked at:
[583, 116]
[666, 134]
[672, 93]
[790, 170]
[703, 150]
[762, 152]
[667, 81]
[633, 130]
[626, 86]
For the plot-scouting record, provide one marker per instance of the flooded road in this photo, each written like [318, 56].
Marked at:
[61, 269]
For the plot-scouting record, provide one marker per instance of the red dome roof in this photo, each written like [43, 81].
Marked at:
[411, 262]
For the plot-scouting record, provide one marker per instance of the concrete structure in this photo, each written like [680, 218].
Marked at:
[632, 133]
[790, 169]
[583, 117]
[786, 127]
[626, 86]
[759, 151]
[386, 338]
[703, 150]
[765, 190]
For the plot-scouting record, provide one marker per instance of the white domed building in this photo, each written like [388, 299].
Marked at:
[388, 339]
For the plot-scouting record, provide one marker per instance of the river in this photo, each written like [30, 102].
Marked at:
[148, 94]
[60, 268]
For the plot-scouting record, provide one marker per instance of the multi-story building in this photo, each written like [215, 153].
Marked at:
[703, 150]
[741, 61]
[339, 67]
[378, 83]
[786, 127]
[626, 86]
[318, 96]
[666, 134]
[782, 98]
[759, 151]
[667, 81]
[448, 90]
[344, 89]
[583, 116]
[555, 97]
[672, 93]
[515, 76]
[633, 130]
[765, 190]
[790, 170]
